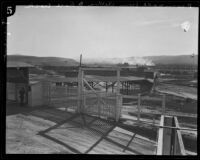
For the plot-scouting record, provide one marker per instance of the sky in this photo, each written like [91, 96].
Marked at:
[102, 32]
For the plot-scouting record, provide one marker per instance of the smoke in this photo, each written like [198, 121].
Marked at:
[138, 61]
[185, 26]
[129, 60]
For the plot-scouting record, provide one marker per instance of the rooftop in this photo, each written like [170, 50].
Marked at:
[50, 130]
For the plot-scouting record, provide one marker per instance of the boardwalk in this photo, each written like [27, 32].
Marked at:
[54, 131]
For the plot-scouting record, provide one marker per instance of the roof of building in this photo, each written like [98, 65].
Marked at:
[14, 64]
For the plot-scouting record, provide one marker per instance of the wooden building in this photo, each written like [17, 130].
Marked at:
[17, 77]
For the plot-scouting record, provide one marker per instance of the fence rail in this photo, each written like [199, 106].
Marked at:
[169, 137]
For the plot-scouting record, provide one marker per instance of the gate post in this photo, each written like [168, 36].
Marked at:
[163, 104]
[117, 108]
[139, 105]
[79, 90]
[82, 92]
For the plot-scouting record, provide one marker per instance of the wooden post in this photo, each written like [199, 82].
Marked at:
[118, 95]
[139, 103]
[153, 120]
[82, 92]
[112, 86]
[163, 104]
[79, 91]
[127, 87]
[106, 86]
[179, 146]
[118, 81]
[160, 137]
[99, 109]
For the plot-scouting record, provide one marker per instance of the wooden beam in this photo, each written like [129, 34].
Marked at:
[83, 94]
[118, 81]
[113, 86]
[160, 137]
[168, 136]
[163, 104]
[79, 90]
[178, 140]
[118, 100]
[85, 81]
[138, 106]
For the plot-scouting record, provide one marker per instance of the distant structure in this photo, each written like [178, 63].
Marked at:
[17, 77]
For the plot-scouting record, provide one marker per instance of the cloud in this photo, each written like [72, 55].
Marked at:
[185, 26]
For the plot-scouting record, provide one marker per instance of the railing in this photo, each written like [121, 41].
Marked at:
[169, 137]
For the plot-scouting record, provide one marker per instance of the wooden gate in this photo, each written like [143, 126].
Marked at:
[60, 96]
[84, 99]
[98, 103]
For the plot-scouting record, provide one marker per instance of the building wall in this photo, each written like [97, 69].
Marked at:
[36, 95]
[12, 92]
[16, 79]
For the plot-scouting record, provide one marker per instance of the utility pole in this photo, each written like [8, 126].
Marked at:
[80, 60]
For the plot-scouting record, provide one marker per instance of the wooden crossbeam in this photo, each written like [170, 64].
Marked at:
[179, 139]
[160, 137]
[170, 139]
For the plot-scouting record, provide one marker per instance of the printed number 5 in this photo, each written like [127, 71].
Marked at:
[9, 10]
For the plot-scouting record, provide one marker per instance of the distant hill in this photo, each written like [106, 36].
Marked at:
[148, 60]
[43, 61]
[180, 59]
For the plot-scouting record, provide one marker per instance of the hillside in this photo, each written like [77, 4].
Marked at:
[180, 59]
[148, 60]
[43, 61]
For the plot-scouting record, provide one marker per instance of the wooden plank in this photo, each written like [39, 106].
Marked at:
[118, 105]
[163, 104]
[92, 89]
[180, 140]
[79, 90]
[167, 135]
[83, 95]
[160, 137]
[138, 106]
